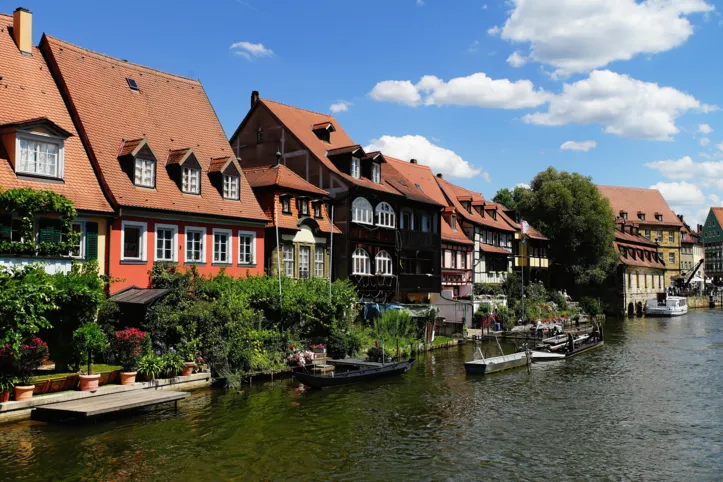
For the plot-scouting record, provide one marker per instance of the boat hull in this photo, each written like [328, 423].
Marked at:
[358, 376]
[495, 364]
[546, 356]
[665, 313]
[585, 348]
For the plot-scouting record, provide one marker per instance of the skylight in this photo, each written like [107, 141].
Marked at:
[132, 84]
[402, 183]
[419, 187]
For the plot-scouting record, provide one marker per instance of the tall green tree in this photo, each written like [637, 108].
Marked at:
[568, 209]
[511, 199]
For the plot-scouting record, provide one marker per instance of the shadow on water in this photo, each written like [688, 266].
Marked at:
[646, 406]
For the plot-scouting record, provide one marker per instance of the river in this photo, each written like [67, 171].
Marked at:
[647, 406]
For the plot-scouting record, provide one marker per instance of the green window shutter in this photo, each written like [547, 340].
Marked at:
[91, 241]
[50, 231]
[6, 227]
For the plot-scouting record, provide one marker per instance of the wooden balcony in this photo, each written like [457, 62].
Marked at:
[418, 239]
[371, 234]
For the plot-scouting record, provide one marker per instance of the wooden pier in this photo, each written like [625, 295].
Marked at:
[86, 408]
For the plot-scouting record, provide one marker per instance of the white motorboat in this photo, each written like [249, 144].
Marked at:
[666, 306]
[497, 363]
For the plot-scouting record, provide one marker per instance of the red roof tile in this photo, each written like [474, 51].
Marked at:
[171, 112]
[450, 235]
[220, 164]
[453, 192]
[636, 242]
[634, 199]
[300, 122]
[280, 176]
[28, 93]
[488, 248]
[395, 177]
[178, 156]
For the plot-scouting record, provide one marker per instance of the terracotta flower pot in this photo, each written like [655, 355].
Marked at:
[89, 383]
[126, 378]
[188, 368]
[4, 397]
[24, 392]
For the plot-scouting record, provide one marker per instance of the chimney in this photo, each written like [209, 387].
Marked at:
[23, 30]
[680, 216]
[700, 228]
[413, 161]
[439, 175]
[254, 97]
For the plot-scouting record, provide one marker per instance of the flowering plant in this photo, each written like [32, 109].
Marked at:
[320, 346]
[29, 356]
[300, 358]
[127, 347]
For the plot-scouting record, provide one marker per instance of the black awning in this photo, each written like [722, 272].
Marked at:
[139, 296]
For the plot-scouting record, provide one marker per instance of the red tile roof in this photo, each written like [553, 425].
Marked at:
[178, 156]
[450, 235]
[300, 122]
[171, 112]
[634, 199]
[395, 177]
[280, 176]
[453, 192]
[637, 243]
[488, 248]
[28, 93]
[221, 163]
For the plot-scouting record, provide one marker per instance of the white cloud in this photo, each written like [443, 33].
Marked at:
[420, 3]
[680, 193]
[473, 47]
[250, 50]
[715, 199]
[484, 7]
[399, 91]
[578, 146]
[493, 30]
[523, 185]
[341, 106]
[516, 60]
[704, 141]
[579, 36]
[704, 129]
[475, 90]
[720, 146]
[419, 147]
[625, 106]
[686, 168]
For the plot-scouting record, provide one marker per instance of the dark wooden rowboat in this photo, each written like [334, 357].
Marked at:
[356, 376]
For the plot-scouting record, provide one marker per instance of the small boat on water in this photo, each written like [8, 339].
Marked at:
[355, 376]
[546, 356]
[664, 305]
[574, 345]
[484, 366]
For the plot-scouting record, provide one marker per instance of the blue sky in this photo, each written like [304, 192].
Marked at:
[487, 91]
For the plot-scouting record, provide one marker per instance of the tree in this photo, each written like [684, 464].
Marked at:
[511, 199]
[568, 209]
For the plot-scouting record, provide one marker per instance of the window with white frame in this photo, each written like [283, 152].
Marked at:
[230, 187]
[286, 205]
[304, 261]
[671, 258]
[362, 211]
[145, 172]
[319, 262]
[385, 215]
[384, 263]
[317, 210]
[453, 223]
[376, 173]
[671, 236]
[355, 168]
[361, 262]
[222, 246]
[195, 245]
[246, 247]
[166, 242]
[133, 239]
[39, 156]
[304, 207]
[289, 260]
[191, 180]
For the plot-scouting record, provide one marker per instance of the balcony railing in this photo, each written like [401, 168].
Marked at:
[418, 239]
[380, 235]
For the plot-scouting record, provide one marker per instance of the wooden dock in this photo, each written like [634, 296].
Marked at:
[86, 408]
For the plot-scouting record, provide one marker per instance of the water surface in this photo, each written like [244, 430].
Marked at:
[647, 406]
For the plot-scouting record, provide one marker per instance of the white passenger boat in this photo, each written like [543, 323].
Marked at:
[666, 306]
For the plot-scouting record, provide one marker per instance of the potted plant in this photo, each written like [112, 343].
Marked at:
[89, 339]
[7, 382]
[150, 366]
[31, 355]
[126, 346]
[172, 363]
[318, 349]
[189, 352]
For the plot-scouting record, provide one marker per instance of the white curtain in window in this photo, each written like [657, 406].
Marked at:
[362, 211]
[385, 215]
[361, 262]
[384, 263]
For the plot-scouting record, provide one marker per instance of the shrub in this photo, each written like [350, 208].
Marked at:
[172, 363]
[376, 354]
[88, 340]
[20, 363]
[150, 366]
[591, 306]
[488, 289]
[127, 346]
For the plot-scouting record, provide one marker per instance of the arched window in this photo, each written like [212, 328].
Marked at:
[384, 263]
[385, 215]
[362, 211]
[362, 262]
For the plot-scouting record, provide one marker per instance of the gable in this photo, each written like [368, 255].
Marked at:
[712, 229]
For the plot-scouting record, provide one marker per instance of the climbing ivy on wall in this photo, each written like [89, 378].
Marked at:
[30, 205]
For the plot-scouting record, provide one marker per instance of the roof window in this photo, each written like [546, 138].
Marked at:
[132, 84]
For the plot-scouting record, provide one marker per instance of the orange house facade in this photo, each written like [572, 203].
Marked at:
[163, 160]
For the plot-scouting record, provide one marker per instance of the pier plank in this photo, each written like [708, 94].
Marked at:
[106, 404]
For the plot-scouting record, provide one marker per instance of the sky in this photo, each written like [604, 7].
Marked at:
[487, 92]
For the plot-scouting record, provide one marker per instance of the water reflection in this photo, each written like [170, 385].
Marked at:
[646, 406]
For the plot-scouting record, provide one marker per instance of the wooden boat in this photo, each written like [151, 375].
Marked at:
[484, 366]
[355, 376]
[573, 346]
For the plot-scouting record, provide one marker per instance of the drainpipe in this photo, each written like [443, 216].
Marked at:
[331, 249]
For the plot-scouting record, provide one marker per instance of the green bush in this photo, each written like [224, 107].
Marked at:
[488, 289]
[172, 363]
[150, 366]
[591, 306]
[89, 340]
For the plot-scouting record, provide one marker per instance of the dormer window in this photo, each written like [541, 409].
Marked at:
[260, 136]
[323, 131]
[317, 210]
[304, 207]
[230, 187]
[145, 172]
[641, 216]
[376, 173]
[659, 217]
[35, 147]
[355, 168]
[191, 180]
[286, 205]
[624, 215]
[453, 223]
